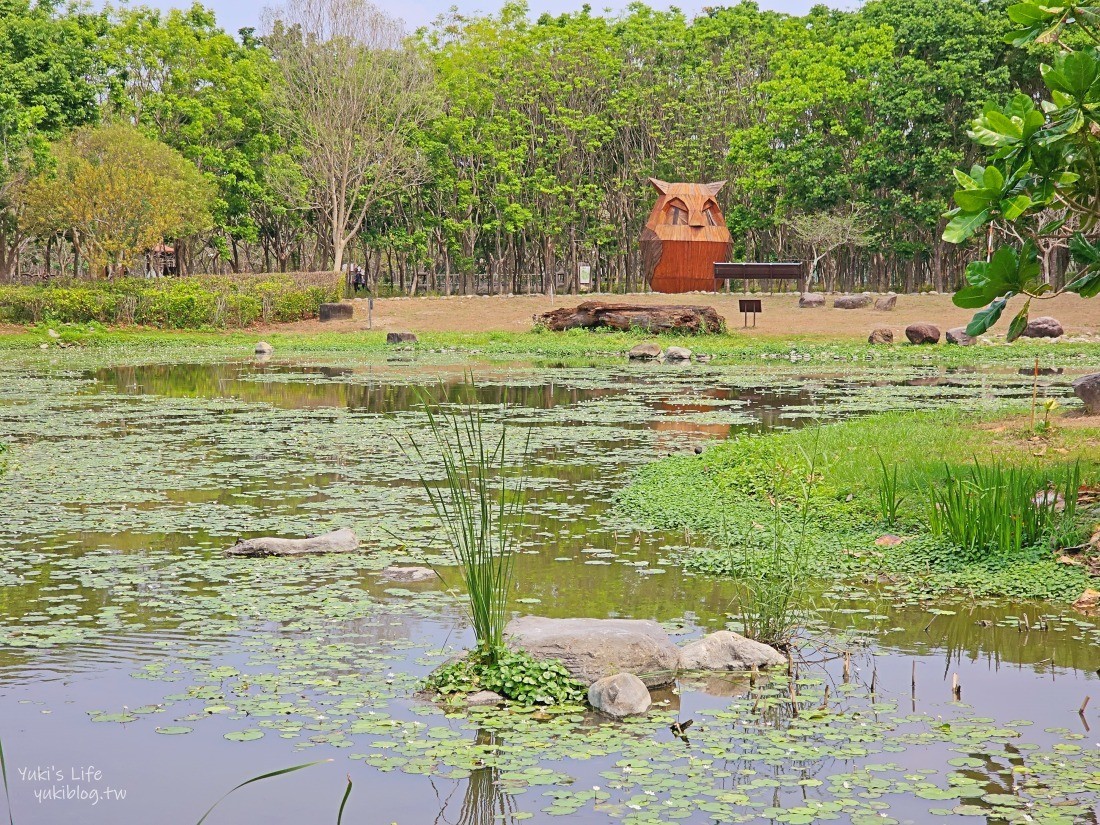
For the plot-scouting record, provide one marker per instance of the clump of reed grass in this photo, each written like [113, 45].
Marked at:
[889, 500]
[991, 508]
[480, 506]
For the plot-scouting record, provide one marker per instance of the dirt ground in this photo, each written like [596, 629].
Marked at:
[780, 317]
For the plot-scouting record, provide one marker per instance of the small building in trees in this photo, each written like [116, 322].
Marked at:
[161, 260]
[684, 237]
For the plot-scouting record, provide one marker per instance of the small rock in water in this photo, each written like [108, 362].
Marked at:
[483, 698]
[264, 348]
[645, 352]
[677, 354]
[408, 574]
[725, 650]
[623, 694]
[400, 338]
[1088, 601]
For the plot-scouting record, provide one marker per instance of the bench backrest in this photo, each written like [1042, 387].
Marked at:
[782, 270]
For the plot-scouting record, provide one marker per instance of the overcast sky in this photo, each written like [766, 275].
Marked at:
[236, 14]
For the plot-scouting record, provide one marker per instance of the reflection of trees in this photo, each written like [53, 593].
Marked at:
[483, 802]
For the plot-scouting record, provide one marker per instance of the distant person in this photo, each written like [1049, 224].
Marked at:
[358, 278]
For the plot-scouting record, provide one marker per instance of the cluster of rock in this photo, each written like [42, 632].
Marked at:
[927, 333]
[884, 303]
[649, 351]
[621, 659]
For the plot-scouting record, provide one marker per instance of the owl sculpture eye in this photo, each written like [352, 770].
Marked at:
[677, 213]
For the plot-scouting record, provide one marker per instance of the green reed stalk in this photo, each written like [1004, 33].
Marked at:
[991, 508]
[888, 499]
[478, 511]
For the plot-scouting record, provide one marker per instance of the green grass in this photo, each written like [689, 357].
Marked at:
[576, 344]
[723, 494]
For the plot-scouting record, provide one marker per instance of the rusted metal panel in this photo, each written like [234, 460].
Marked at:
[684, 236]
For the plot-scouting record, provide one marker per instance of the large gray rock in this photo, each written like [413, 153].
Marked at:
[336, 312]
[408, 574]
[957, 335]
[645, 352]
[623, 694]
[881, 336]
[886, 303]
[264, 348]
[677, 354]
[852, 301]
[400, 338]
[483, 698]
[1087, 388]
[1043, 327]
[728, 651]
[923, 333]
[593, 648]
[338, 541]
[811, 299]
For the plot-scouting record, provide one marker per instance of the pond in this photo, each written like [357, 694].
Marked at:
[143, 674]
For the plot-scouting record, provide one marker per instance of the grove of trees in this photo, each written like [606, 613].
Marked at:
[495, 152]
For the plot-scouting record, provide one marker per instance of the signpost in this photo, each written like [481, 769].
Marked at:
[748, 305]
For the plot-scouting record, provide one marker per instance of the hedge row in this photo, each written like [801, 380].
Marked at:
[173, 303]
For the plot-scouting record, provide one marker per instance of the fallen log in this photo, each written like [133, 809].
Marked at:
[656, 318]
[338, 541]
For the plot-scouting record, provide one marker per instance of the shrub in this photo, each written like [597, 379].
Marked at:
[173, 303]
[515, 675]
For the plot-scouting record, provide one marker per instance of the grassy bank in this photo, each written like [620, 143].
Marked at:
[793, 352]
[195, 302]
[734, 492]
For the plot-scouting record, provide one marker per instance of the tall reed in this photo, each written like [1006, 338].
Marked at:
[480, 507]
[991, 508]
[888, 499]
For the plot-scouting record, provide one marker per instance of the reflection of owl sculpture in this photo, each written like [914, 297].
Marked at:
[684, 236]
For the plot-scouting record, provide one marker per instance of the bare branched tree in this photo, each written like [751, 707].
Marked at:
[826, 232]
[354, 94]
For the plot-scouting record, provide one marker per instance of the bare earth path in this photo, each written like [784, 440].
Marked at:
[781, 317]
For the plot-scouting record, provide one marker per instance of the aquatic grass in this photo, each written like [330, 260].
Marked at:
[269, 775]
[993, 508]
[478, 508]
[7, 790]
[889, 500]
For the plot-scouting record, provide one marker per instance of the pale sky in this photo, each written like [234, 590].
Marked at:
[235, 14]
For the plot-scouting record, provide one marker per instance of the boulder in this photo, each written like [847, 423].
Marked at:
[1087, 388]
[593, 648]
[957, 335]
[483, 698]
[811, 300]
[400, 338]
[922, 333]
[338, 541]
[656, 318]
[725, 650]
[851, 301]
[1088, 601]
[881, 336]
[1043, 327]
[623, 694]
[677, 354]
[408, 574]
[645, 352]
[336, 312]
[886, 303]
[264, 348]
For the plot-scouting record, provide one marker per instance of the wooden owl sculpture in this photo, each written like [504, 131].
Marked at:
[684, 236]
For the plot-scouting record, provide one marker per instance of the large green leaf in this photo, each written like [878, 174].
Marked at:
[1087, 285]
[975, 200]
[986, 318]
[1019, 323]
[963, 225]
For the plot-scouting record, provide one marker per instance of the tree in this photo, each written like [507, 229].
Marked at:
[825, 232]
[1043, 157]
[353, 97]
[119, 193]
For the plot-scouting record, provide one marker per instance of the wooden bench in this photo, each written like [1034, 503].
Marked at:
[754, 271]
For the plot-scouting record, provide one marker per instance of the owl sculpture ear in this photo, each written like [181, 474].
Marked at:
[716, 187]
[659, 185]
